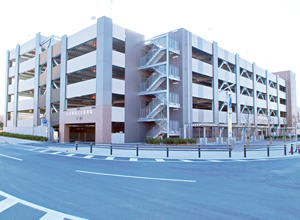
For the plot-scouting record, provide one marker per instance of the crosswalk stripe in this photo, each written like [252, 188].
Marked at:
[7, 203]
[187, 160]
[70, 155]
[43, 151]
[133, 159]
[57, 152]
[52, 215]
[160, 160]
[109, 158]
[88, 156]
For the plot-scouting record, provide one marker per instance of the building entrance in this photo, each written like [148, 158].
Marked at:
[82, 132]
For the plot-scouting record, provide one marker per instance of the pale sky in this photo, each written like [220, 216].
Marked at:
[266, 32]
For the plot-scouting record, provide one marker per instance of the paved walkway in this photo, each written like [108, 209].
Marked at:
[257, 150]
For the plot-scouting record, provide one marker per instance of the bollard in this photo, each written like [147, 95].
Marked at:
[268, 150]
[298, 148]
[199, 151]
[229, 151]
[110, 149]
[244, 150]
[284, 150]
[167, 151]
[137, 150]
[76, 145]
[91, 148]
[291, 150]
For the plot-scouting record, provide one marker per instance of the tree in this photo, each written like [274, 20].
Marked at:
[270, 120]
[248, 120]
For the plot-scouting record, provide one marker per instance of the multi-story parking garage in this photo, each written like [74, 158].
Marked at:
[108, 84]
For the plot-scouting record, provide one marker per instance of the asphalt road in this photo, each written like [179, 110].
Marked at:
[102, 189]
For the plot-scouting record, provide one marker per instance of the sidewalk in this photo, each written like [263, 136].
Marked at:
[257, 150]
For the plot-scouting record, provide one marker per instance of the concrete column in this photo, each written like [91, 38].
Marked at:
[104, 79]
[238, 102]
[278, 99]
[63, 129]
[254, 93]
[16, 95]
[6, 89]
[215, 82]
[37, 73]
[268, 93]
[49, 89]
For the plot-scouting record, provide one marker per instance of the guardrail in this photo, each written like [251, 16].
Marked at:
[193, 148]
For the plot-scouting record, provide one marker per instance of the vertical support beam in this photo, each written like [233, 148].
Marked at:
[238, 102]
[278, 99]
[168, 85]
[37, 71]
[104, 80]
[17, 64]
[254, 93]
[49, 89]
[63, 129]
[268, 93]
[6, 89]
[215, 83]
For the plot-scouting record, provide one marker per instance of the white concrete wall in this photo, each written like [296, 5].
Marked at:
[273, 91]
[82, 62]
[25, 123]
[223, 97]
[118, 59]
[246, 100]
[282, 94]
[246, 65]
[27, 65]
[225, 55]
[29, 45]
[281, 81]
[10, 106]
[245, 118]
[11, 71]
[261, 87]
[26, 85]
[245, 82]
[26, 104]
[118, 32]
[81, 88]
[118, 138]
[261, 103]
[260, 72]
[201, 44]
[282, 108]
[273, 105]
[201, 67]
[118, 86]
[28, 130]
[203, 116]
[201, 91]
[12, 54]
[11, 89]
[82, 36]
[223, 117]
[226, 76]
[118, 114]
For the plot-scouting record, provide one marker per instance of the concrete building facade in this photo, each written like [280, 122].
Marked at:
[108, 84]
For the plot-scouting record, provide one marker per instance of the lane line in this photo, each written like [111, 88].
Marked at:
[43, 151]
[7, 203]
[136, 177]
[88, 156]
[109, 158]
[214, 161]
[70, 155]
[14, 158]
[53, 215]
[41, 208]
[133, 159]
[160, 160]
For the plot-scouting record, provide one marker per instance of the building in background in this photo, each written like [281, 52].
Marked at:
[109, 85]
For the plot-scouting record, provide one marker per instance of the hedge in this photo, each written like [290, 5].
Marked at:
[171, 141]
[24, 136]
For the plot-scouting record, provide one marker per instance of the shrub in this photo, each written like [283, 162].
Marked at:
[23, 136]
[152, 140]
[192, 140]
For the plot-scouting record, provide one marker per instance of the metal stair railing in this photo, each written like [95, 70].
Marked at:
[157, 130]
[159, 73]
[156, 102]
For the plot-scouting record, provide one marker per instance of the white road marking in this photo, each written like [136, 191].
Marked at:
[88, 156]
[43, 151]
[160, 160]
[50, 214]
[14, 158]
[240, 160]
[136, 177]
[7, 203]
[109, 158]
[187, 160]
[70, 155]
[133, 159]
[57, 152]
[215, 161]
